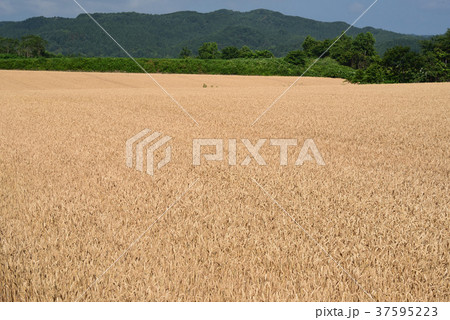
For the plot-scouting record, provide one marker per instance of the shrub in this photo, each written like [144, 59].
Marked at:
[297, 58]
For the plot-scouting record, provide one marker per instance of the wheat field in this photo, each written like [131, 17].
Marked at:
[372, 224]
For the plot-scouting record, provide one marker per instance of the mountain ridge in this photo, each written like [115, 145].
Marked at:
[163, 35]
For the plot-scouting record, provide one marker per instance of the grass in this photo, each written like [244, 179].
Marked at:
[265, 67]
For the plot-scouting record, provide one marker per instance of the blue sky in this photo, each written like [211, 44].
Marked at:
[405, 16]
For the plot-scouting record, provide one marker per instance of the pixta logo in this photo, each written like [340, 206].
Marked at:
[307, 152]
[146, 148]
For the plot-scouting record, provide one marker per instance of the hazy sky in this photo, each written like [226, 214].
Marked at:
[406, 16]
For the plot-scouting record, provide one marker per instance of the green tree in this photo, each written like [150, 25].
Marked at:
[322, 50]
[246, 52]
[185, 53]
[316, 48]
[209, 50]
[32, 46]
[309, 45]
[341, 51]
[362, 51]
[8, 46]
[261, 54]
[297, 57]
[230, 53]
[402, 64]
[434, 68]
[375, 73]
[438, 45]
[436, 55]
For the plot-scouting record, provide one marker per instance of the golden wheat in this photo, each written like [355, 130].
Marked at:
[69, 206]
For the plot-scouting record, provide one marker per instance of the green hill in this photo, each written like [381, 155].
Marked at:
[163, 36]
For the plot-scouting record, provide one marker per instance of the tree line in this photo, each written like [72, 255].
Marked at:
[210, 50]
[30, 46]
[397, 65]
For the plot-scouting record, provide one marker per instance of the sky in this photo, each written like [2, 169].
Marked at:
[423, 17]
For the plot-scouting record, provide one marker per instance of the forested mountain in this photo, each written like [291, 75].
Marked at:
[157, 36]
